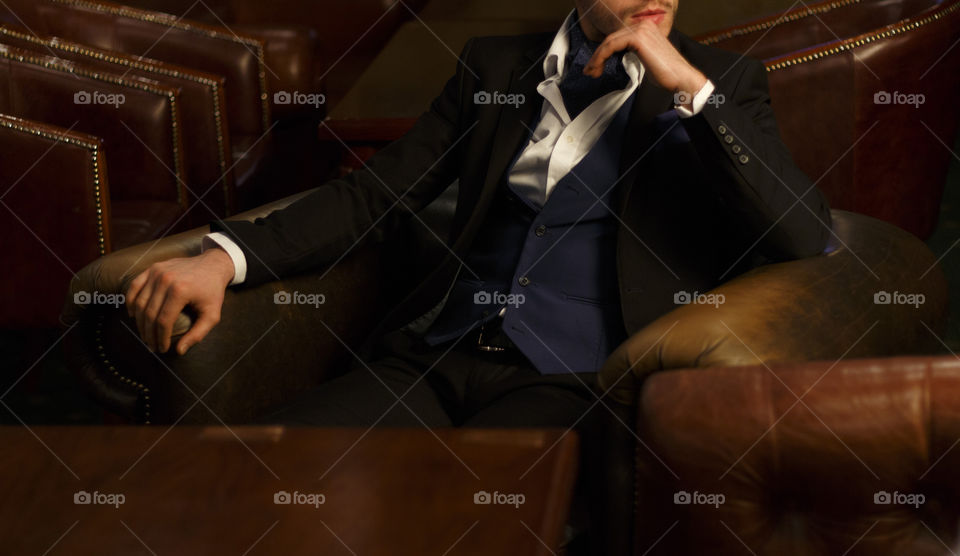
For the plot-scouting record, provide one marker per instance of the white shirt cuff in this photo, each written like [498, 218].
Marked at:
[699, 101]
[217, 239]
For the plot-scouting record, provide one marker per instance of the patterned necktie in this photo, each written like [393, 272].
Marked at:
[579, 90]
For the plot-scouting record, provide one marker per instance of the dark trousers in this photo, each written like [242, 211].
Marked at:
[457, 385]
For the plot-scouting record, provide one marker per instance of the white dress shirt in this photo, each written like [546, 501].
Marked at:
[557, 143]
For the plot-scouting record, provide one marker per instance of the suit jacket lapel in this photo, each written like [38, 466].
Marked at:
[514, 123]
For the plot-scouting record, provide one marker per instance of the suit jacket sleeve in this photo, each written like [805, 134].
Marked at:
[365, 206]
[782, 212]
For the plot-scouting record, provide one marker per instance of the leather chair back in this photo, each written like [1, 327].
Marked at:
[205, 135]
[54, 219]
[812, 24]
[871, 117]
[236, 56]
[142, 133]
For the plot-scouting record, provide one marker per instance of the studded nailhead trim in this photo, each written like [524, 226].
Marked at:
[177, 23]
[24, 127]
[129, 62]
[786, 17]
[59, 65]
[107, 364]
[903, 26]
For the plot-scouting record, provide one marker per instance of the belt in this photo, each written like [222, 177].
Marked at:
[490, 337]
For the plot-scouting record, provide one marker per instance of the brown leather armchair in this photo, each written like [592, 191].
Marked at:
[142, 133]
[206, 140]
[55, 216]
[263, 354]
[861, 65]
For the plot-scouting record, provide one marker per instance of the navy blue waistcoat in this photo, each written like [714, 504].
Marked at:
[553, 268]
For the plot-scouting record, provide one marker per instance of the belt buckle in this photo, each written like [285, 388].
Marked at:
[484, 347]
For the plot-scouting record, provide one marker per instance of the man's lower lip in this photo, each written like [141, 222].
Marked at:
[656, 18]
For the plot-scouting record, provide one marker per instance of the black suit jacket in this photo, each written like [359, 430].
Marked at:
[692, 213]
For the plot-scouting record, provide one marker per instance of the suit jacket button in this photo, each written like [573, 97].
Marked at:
[744, 159]
[736, 149]
[524, 281]
[541, 230]
[728, 139]
[722, 129]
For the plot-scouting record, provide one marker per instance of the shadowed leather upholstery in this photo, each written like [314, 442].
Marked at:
[876, 157]
[205, 136]
[53, 219]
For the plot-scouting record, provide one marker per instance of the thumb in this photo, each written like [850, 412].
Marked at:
[206, 320]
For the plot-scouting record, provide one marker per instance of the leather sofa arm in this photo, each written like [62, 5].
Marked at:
[261, 354]
[827, 307]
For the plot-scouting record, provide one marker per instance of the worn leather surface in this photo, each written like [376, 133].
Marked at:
[812, 458]
[272, 351]
[822, 307]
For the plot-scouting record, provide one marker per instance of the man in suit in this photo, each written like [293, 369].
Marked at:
[603, 170]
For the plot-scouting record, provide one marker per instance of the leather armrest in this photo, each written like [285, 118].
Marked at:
[826, 307]
[261, 354]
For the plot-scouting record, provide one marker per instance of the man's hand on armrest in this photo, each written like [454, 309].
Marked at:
[158, 295]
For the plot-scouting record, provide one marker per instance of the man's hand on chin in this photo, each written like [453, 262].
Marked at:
[660, 58]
